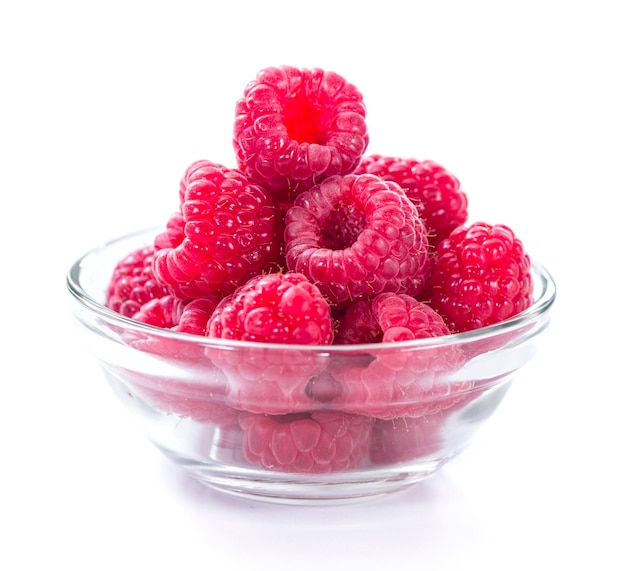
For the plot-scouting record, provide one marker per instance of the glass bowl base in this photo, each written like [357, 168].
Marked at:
[293, 489]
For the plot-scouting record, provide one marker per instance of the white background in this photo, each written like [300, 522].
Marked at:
[103, 105]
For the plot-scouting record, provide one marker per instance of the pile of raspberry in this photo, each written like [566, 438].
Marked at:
[308, 240]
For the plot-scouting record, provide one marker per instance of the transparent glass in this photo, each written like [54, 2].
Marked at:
[295, 423]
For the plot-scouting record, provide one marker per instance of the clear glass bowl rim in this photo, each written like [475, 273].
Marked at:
[543, 281]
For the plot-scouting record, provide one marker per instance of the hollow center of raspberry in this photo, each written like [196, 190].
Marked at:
[305, 120]
[342, 227]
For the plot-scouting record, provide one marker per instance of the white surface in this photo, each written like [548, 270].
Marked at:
[101, 110]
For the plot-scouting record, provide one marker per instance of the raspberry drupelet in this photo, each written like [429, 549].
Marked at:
[356, 236]
[228, 230]
[294, 127]
[481, 276]
[434, 190]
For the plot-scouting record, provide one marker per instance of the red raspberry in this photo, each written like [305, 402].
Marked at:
[319, 442]
[407, 439]
[403, 318]
[357, 325]
[391, 383]
[396, 383]
[162, 312]
[356, 236]
[232, 231]
[295, 127]
[201, 401]
[184, 316]
[389, 317]
[265, 382]
[133, 283]
[481, 276]
[435, 191]
[170, 312]
[195, 315]
[275, 308]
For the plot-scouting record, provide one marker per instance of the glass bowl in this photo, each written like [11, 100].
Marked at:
[300, 423]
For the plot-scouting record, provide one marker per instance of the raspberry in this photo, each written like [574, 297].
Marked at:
[184, 316]
[275, 308]
[195, 315]
[402, 383]
[266, 383]
[389, 317]
[161, 312]
[232, 231]
[357, 325]
[435, 191]
[407, 439]
[393, 383]
[295, 127]
[319, 442]
[398, 383]
[133, 283]
[481, 276]
[356, 236]
[403, 318]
